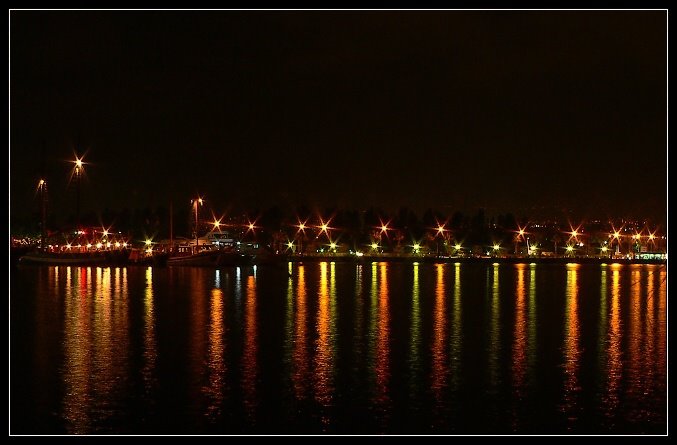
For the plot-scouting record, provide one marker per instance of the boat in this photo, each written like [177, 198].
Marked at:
[75, 258]
[208, 255]
[217, 248]
[141, 257]
[261, 254]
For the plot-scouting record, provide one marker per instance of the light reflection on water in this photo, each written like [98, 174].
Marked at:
[341, 348]
[571, 347]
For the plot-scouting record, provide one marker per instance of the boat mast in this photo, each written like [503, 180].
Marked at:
[171, 226]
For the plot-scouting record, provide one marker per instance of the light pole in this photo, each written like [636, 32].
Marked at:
[42, 187]
[78, 170]
[196, 202]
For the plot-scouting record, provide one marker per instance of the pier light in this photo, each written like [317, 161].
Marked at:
[417, 247]
[108, 244]
[652, 236]
[68, 246]
[333, 246]
[374, 246]
[99, 245]
[617, 234]
[604, 249]
[359, 253]
[117, 244]
[89, 245]
[574, 233]
[290, 244]
[105, 232]
[148, 242]
[216, 224]
[570, 248]
[251, 226]
[149, 250]
[384, 228]
[324, 227]
[440, 229]
[496, 247]
[302, 225]
[124, 244]
[457, 247]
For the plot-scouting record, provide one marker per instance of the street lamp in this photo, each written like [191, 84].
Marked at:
[78, 171]
[42, 188]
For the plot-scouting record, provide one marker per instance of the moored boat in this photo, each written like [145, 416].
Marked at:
[75, 258]
[208, 256]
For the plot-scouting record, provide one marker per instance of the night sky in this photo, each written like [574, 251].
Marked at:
[538, 113]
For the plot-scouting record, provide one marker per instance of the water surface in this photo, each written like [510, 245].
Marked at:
[343, 348]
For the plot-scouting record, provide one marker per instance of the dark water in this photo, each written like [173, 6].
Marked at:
[339, 348]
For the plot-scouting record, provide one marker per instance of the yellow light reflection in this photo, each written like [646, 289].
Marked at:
[439, 346]
[382, 366]
[614, 363]
[531, 341]
[215, 362]
[603, 322]
[300, 376]
[662, 326]
[635, 331]
[456, 329]
[649, 323]
[571, 345]
[358, 332]
[494, 330]
[77, 357]
[96, 349]
[289, 322]
[149, 341]
[250, 365]
[415, 335]
[520, 336]
[323, 378]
